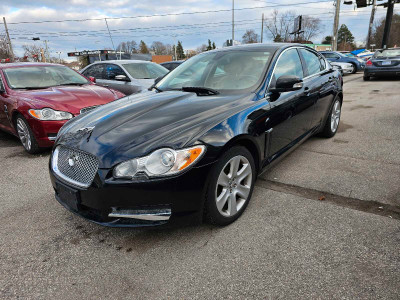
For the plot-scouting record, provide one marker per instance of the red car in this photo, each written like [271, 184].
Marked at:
[36, 99]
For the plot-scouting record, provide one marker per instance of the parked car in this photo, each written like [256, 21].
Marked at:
[36, 99]
[126, 76]
[194, 144]
[170, 65]
[334, 56]
[384, 62]
[346, 68]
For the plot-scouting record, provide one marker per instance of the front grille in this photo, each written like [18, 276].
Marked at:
[88, 109]
[74, 166]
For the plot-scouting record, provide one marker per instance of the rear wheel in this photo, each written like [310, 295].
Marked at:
[230, 187]
[26, 136]
[332, 123]
[366, 78]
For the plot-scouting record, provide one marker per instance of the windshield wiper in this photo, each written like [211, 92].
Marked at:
[33, 88]
[70, 83]
[200, 91]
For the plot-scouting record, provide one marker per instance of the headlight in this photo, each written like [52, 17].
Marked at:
[48, 114]
[162, 162]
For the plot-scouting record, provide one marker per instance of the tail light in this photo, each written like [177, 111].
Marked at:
[369, 63]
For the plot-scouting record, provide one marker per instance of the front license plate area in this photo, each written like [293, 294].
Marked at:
[68, 196]
[386, 63]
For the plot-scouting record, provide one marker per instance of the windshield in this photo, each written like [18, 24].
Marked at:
[224, 70]
[387, 53]
[42, 77]
[145, 70]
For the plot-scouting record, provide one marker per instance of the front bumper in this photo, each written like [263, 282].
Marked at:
[45, 131]
[176, 200]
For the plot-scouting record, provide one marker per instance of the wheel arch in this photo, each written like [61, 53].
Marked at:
[249, 143]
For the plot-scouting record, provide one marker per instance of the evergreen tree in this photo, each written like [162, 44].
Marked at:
[213, 45]
[143, 48]
[209, 47]
[345, 35]
[179, 51]
[327, 40]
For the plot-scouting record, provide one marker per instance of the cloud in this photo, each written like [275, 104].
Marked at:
[193, 30]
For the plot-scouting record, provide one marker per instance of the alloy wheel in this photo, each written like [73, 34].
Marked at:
[24, 135]
[335, 116]
[233, 186]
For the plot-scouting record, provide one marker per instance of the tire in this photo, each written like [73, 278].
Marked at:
[234, 192]
[26, 135]
[366, 78]
[354, 69]
[333, 120]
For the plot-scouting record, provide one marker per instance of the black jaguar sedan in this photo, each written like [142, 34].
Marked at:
[191, 148]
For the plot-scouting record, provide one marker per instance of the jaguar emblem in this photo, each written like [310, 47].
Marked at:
[72, 160]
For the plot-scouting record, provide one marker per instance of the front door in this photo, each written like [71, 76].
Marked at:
[291, 112]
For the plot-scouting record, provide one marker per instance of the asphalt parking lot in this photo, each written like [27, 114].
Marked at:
[324, 223]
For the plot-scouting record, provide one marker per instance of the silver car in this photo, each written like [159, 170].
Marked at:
[126, 76]
[347, 68]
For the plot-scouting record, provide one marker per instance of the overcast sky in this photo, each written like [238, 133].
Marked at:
[192, 29]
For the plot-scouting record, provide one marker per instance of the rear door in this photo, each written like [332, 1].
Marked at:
[319, 80]
[291, 112]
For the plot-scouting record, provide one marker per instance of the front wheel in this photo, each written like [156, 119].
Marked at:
[26, 136]
[354, 69]
[230, 186]
[332, 123]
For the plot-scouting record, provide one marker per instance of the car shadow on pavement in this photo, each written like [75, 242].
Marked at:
[8, 140]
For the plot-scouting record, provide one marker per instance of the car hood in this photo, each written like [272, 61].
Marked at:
[136, 125]
[69, 98]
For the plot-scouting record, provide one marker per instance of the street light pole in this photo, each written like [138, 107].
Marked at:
[233, 21]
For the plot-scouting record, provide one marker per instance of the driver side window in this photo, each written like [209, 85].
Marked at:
[289, 63]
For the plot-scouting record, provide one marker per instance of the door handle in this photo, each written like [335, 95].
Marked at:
[330, 79]
[306, 91]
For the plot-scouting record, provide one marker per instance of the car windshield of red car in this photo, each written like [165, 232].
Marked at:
[42, 77]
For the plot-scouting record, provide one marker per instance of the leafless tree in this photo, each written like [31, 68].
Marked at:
[159, 48]
[33, 52]
[201, 48]
[4, 49]
[250, 37]
[394, 37]
[280, 26]
[127, 47]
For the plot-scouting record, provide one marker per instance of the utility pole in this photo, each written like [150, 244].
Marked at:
[371, 22]
[262, 27]
[233, 21]
[9, 40]
[388, 23]
[336, 26]
[112, 42]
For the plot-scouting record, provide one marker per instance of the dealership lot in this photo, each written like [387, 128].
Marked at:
[323, 223]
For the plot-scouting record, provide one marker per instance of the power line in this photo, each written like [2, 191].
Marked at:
[162, 15]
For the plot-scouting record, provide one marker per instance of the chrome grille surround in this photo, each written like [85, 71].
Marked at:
[88, 109]
[74, 166]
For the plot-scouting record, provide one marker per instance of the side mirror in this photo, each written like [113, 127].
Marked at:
[92, 79]
[287, 83]
[121, 78]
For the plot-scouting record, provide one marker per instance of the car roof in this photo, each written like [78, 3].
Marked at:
[258, 46]
[26, 64]
[122, 61]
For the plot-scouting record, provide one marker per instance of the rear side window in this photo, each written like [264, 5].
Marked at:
[312, 61]
[95, 71]
[289, 64]
[112, 71]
